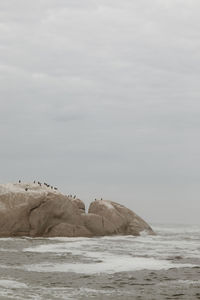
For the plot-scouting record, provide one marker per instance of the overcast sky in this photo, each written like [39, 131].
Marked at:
[102, 99]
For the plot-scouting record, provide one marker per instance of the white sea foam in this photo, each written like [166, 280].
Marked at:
[110, 265]
[189, 282]
[8, 239]
[62, 293]
[7, 250]
[107, 261]
[10, 289]
[12, 284]
[149, 246]
[77, 248]
[144, 233]
[104, 255]
[68, 239]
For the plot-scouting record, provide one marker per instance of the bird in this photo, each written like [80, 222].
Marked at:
[19, 181]
[74, 196]
[26, 189]
[101, 199]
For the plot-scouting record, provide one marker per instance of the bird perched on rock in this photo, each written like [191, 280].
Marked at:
[26, 189]
[19, 181]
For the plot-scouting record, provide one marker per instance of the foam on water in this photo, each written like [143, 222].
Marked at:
[68, 244]
[7, 250]
[49, 266]
[12, 284]
[61, 293]
[73, 248]
[117, 253]
[193, 282]
[11, 289]
[157, 247]
[9, 239]
[110, 265]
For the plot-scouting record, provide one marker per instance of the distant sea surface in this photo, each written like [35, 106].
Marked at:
[165, 266]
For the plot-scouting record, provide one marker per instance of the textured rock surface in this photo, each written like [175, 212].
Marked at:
[123, 220]
[34, 210]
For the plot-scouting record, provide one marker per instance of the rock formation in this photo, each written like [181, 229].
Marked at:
[35, 210]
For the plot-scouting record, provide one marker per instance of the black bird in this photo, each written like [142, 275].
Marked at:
[55, 188]
[19, 181]
[26, 189]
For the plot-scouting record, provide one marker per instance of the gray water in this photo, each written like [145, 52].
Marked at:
[165, 266]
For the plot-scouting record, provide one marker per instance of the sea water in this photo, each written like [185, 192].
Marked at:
[165, 266]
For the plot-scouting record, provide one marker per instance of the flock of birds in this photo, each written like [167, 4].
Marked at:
[71, 196]
[40, 184]
[51, 187]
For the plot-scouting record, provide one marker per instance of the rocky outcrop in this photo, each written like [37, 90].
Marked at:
[35, 210]
[122, 219]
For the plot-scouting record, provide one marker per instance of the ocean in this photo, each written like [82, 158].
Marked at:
[165, 266]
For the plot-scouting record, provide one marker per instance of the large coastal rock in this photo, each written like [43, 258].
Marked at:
[37, 210]
[119, 218]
